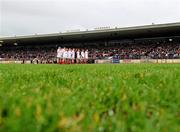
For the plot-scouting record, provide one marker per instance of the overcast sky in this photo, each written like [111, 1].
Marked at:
[25, 17]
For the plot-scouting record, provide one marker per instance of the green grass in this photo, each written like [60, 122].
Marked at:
[125, 98]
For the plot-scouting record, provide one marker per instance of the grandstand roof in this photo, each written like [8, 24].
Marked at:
[154, 30]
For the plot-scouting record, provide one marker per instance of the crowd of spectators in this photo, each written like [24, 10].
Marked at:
[40, 54]
[140, 51]
[125, 51]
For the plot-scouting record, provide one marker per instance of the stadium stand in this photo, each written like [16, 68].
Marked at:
[152, 42]
[125, 51]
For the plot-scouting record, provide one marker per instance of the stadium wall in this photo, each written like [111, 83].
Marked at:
[127, 61]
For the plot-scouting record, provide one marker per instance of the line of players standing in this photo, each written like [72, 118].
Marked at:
[72, 56]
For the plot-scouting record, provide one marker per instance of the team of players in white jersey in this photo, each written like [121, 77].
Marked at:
[71, 55]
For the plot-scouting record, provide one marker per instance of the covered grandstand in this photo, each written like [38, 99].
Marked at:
[156, 41]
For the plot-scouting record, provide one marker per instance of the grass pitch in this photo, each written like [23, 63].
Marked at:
[125, 98]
